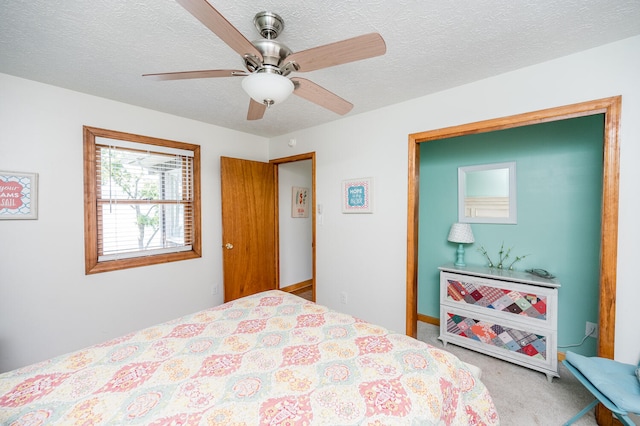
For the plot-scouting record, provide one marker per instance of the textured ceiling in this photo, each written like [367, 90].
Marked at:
[102, 47]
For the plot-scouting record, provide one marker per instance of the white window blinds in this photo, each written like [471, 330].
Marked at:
[145, 199]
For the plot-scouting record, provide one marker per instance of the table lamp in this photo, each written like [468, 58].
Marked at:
[460, 233]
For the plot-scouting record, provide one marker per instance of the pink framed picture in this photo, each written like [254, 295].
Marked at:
[18, 195]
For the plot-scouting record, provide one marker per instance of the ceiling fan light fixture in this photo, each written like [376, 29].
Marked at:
[267, 88]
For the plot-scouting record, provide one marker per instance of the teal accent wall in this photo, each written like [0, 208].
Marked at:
[559, 196]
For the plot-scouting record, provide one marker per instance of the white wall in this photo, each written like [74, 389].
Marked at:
[295, 233]
[48, 306]
[365, 255]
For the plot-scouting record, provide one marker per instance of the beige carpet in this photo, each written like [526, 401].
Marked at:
[523, 397]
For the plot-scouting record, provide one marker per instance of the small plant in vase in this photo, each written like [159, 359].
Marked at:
[503, 256]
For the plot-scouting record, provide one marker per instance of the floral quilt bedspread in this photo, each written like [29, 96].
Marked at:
[267, 359]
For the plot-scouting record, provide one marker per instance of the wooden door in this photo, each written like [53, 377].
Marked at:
[248, 227]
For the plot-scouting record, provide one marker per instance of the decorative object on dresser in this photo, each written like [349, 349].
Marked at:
[542, 273]
[504, 255]
[507, 314]
[460, 233]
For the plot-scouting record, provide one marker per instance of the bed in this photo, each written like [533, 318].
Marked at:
[267, 359]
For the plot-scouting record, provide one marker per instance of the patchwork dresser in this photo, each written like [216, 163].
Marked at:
[510, 315]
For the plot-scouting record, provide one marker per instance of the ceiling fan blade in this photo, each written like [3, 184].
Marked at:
[319, 95]
[217, 23]
[341, 52]
[182, 75]
[256, 110]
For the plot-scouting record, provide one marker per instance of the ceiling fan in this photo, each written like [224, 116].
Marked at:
[268, 62]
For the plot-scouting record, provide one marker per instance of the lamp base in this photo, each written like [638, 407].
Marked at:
[460, 256]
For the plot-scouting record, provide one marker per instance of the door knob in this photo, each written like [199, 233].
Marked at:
[228, 246]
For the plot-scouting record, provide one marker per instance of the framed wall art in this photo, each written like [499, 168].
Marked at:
[299, 201]
[357, 195]
[18, 195]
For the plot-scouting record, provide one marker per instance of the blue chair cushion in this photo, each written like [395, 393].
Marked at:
[617, 381]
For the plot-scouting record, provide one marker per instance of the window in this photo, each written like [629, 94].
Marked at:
[142, 200]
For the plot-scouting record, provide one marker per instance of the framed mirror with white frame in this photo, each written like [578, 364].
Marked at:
[487, 193]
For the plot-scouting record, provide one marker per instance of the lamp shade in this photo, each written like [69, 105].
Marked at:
[461, 233]
[267, 88]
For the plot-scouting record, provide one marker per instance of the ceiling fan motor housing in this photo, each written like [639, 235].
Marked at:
[273, 54]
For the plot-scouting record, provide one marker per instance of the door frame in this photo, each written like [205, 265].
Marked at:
[277, 161]
[611, 108]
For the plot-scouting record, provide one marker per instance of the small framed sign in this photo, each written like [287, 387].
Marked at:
[299, 202]
[357, 195]
[18, 195]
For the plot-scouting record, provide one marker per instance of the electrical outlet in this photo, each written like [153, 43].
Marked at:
[344, 298]
[215, 289]
[591, 329]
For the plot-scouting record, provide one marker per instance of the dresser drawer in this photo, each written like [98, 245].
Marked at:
[525, 303]
[517, 342]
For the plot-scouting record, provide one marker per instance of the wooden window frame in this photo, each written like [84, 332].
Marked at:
[92, 265]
